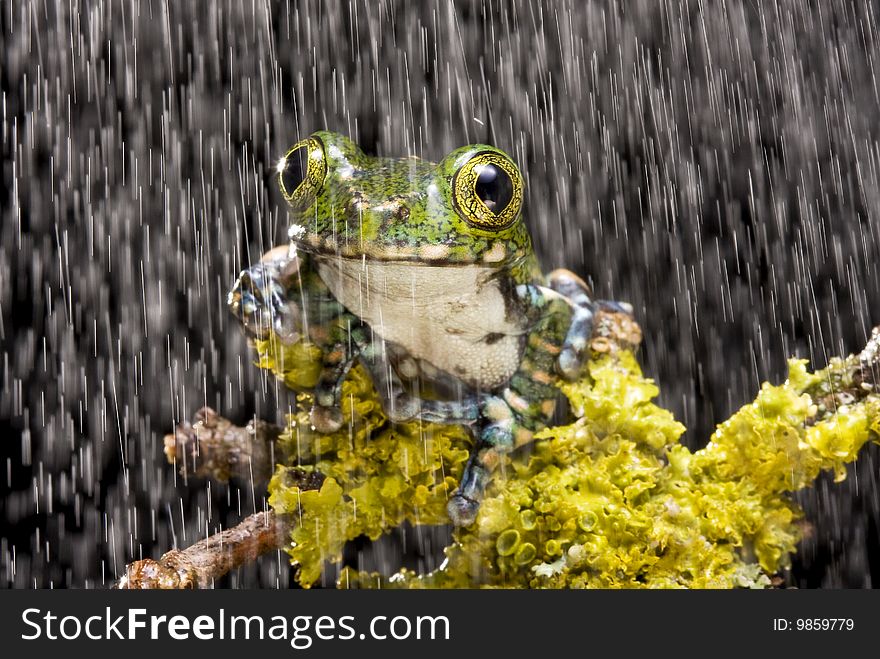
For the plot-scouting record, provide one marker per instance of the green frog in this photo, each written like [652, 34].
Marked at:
[425, 274]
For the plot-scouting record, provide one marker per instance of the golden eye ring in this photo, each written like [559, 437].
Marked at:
[301, 172]
[487, 191]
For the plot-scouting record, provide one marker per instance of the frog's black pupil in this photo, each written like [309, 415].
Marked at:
[294, 172]
[494, 187]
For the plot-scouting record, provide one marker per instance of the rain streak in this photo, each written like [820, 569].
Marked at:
[717, 165]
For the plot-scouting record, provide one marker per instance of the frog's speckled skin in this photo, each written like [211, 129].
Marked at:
[400, 264]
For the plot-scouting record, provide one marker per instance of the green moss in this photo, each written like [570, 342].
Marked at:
[377, 475]
[297, 365]
[612, 500]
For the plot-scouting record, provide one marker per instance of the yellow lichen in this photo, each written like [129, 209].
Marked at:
[612, 500]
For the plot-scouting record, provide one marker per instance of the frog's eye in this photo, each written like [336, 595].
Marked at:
[487, 191]
[301, 172]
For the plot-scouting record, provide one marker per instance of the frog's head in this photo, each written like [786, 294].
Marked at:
[465, 209]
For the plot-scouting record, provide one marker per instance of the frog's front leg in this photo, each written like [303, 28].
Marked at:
[574, 350]
[326, 414]
[510, 418]
[282, 296]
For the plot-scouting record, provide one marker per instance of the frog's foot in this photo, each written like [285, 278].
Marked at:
[614, 306]
[575, 347]
[461, 510]
[259, 300]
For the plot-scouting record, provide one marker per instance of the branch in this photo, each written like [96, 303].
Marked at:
[199, 565]
[212, 447]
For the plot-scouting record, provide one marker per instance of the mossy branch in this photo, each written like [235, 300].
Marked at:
[721, 516]
[612, 499]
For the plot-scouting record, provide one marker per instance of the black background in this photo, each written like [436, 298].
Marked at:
[715, 164]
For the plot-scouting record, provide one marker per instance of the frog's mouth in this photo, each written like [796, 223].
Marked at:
[433, 254]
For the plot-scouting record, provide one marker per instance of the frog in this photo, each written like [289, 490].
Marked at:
[425, 274]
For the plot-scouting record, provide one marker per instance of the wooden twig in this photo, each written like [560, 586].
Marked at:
[199, 565]
[213, 447]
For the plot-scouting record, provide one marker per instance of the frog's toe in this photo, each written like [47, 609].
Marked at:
[462, 511]
[570, 362]
[325, 419]
[570, 285]
[574, 351]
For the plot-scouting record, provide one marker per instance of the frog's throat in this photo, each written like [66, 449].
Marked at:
[457, 319]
